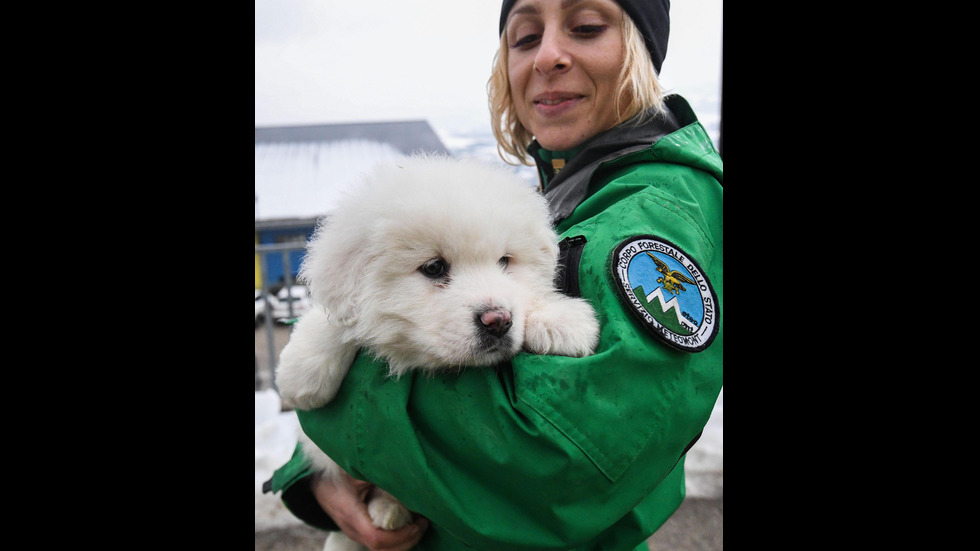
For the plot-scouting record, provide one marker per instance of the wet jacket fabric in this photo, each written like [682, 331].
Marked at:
[551, 452]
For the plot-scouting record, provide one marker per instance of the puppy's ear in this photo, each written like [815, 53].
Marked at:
[542, 237]
[548, 245]
[333, 270]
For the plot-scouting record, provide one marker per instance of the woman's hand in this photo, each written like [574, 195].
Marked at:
[344, 501]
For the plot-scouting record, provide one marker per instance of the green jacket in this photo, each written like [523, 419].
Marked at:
[551, 452]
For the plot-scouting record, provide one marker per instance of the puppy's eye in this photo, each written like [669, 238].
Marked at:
[434, 268]
[504, 261]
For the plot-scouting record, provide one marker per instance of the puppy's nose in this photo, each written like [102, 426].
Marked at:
[495, 321]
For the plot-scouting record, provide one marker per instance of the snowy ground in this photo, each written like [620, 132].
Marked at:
[275, 438]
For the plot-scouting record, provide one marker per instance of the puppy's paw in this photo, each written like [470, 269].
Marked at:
[387, 512]
[308, 381]
[314, 362]
[305, 385]
[565, 328]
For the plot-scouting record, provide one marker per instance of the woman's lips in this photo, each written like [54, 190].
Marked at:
[555, 103]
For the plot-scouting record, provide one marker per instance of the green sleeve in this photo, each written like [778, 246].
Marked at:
[547, 452]
[293, 480]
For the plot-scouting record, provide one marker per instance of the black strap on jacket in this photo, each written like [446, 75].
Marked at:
[569, 256]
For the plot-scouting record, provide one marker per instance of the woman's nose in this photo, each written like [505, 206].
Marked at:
[552, 55]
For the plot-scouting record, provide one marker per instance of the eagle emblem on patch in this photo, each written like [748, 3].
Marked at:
[667, 291]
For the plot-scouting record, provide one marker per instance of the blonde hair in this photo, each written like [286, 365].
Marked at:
[638, 85]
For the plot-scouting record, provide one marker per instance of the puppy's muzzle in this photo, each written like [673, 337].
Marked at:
[495, 322]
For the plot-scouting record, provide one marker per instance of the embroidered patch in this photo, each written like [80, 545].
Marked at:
[667, 291]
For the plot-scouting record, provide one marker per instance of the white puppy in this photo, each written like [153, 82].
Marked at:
[432, 263]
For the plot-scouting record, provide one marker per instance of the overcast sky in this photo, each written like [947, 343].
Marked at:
[330, 61]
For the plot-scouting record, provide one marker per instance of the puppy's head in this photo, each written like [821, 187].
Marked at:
[432, 262]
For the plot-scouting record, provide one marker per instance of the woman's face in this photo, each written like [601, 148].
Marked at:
[564, 60]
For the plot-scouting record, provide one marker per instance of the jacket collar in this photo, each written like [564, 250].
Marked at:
[568, 187]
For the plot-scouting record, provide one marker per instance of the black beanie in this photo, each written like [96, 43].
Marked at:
[652, 17]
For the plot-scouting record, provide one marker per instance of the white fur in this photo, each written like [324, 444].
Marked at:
[363, 271]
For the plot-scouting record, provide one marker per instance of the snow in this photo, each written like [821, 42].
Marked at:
[275, 438]
[705, 461]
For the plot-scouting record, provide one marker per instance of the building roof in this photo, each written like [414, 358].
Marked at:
[301, 170]
[406, 136]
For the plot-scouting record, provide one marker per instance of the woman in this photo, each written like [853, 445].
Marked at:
[554, 452]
